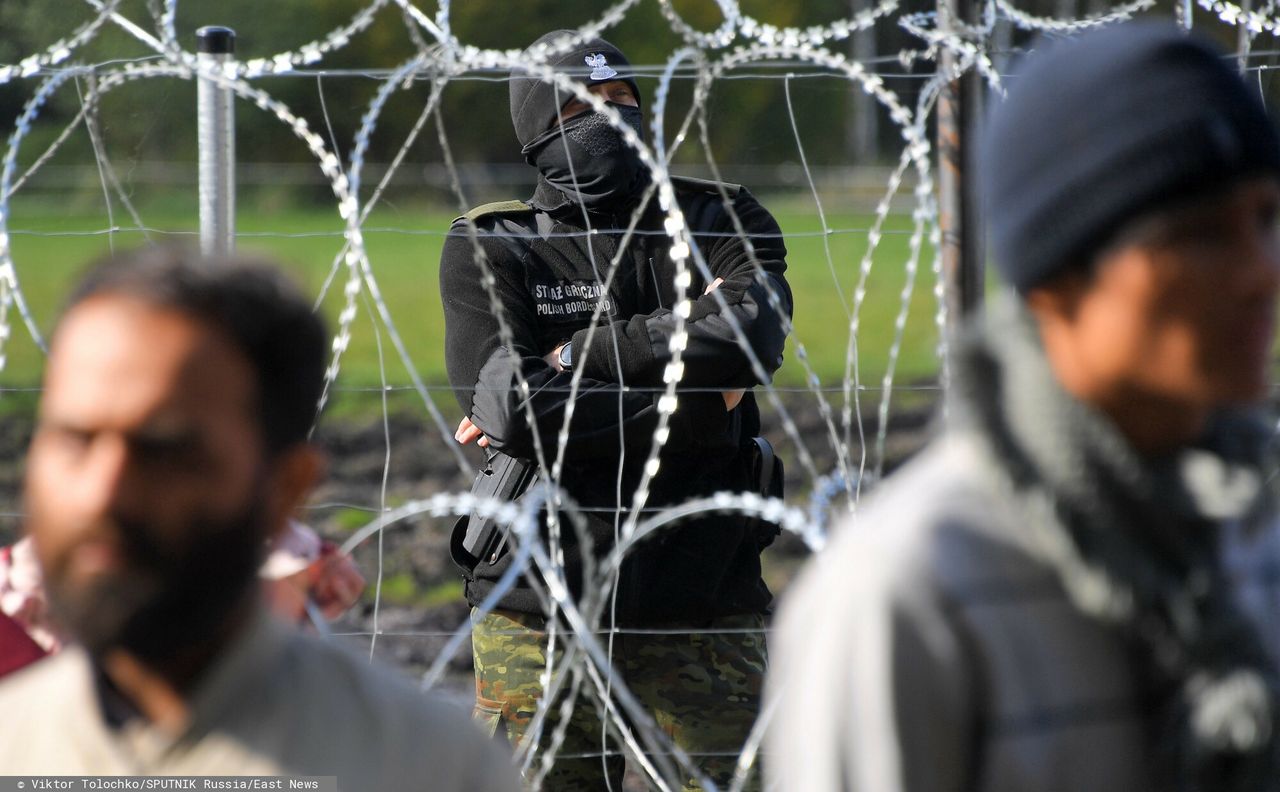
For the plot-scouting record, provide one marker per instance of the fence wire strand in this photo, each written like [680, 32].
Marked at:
[582, 630]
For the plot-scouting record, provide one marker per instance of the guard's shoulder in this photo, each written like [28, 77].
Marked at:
[495, 209]
[688, 184]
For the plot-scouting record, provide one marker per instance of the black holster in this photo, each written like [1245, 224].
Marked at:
[475, 538]
[767, 482]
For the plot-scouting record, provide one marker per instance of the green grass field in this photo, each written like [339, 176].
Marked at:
[50, 247]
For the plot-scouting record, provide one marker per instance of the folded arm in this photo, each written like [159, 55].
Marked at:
[486, 372]
[713, 355]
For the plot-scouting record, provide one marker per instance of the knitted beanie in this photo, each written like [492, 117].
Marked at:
[1096, 130]
[535, 104]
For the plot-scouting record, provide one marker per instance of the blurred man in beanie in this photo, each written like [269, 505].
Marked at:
[1040, 600]
[544, 267]
[171, 448]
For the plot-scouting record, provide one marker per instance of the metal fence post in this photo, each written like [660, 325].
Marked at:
[1185, 14]
[217, 140]
[959, 110]
[1244, 39]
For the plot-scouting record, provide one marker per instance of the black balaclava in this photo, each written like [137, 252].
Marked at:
[584, 159]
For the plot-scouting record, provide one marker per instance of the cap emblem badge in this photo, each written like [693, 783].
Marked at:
[600, 69]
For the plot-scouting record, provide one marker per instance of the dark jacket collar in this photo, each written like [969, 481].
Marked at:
[548, 199]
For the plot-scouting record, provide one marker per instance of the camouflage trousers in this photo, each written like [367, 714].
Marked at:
[700, 683]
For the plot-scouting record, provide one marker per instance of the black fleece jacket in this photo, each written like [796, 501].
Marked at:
[549, 268]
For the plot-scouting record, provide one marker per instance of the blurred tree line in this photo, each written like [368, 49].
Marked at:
[750, 114]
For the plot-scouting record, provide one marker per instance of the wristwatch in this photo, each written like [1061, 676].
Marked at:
[566, 356]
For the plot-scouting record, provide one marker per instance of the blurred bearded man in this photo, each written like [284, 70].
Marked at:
[171, 448]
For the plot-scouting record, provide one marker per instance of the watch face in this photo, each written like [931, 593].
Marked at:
[566, 355]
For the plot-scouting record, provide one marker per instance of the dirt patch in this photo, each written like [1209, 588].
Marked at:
[419, 605]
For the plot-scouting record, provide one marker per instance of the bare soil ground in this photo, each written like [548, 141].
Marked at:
[419, 602]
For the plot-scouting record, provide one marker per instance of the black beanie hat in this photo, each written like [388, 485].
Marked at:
[533, 101]
[1098, 129]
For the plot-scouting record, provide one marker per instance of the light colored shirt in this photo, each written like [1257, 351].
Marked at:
[276, 702]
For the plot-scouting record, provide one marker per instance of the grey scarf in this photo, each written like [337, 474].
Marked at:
[1134, 541]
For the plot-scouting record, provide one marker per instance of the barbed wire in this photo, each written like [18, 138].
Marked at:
[765, 71]
[739, 48]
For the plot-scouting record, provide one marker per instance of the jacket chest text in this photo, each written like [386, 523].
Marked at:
[570, 300]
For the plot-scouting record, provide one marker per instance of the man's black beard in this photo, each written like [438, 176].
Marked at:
[165, 602]
[586, 159]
